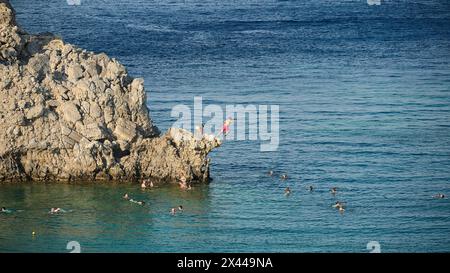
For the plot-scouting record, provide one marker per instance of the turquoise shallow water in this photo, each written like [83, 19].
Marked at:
[364, 96]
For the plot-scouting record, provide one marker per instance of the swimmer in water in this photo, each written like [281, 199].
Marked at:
[173, 211]
[126, 197]
[287, 191]
[338, 204]
[311, 188]
[137, 202]
[341, 210]
[283, 176]
[180, 208]
[5, 210]
[439, 196]
[184, 184]
[56, 210]
[270, 173]
[146, 183]
[225, 127]
[333, 191]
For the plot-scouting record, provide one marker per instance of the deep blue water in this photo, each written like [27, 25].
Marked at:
[364, 96]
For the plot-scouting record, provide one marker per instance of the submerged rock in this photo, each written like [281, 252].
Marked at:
[67, 114]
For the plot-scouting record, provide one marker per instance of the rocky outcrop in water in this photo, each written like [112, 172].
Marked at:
[67, 114]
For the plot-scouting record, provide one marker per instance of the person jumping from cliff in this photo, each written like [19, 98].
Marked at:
[225, 127]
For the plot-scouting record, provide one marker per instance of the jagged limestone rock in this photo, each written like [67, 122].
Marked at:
[67, 114]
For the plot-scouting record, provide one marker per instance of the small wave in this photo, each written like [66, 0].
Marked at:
[151, 28]
[258, 31]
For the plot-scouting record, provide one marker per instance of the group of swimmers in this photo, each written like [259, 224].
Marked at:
[287, 191]
[146, 183]
[339, 205]
[52, 210]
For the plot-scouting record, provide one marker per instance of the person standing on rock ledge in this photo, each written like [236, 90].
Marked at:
[200, 129]
[333, 191]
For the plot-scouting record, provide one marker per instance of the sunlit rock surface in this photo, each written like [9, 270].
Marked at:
[67, 114]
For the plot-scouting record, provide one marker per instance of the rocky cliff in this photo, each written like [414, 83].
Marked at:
[67, 114]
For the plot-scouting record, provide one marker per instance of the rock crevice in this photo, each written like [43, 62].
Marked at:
[68, 114]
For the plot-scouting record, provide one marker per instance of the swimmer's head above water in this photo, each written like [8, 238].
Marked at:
[439, 196]
[55, 210]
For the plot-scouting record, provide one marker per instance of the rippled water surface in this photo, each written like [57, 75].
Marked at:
[364, 96]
